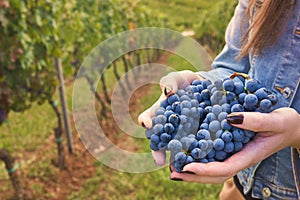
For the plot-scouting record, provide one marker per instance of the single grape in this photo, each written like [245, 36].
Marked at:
[203, 134]
[229, 147]
[203, 160]
[214, 126]
[230, 96]
[219, 133]
[211, 154]
[178, 166]
[153, 146]
[252, 85]
[149, 132]
[173, 98]
[160, 119]
[237, 108]
[210, 117]
[186, 104]
[168, 113]
[241, 97]
[205, 94]
[169, 128]
[174, 119]
[198, 96]
[261, 93]
[155, 139]
[226, 107]
[218, 144]
[162, 145]
[176, 107]
[204, 126]
[222, 116]
[220, 155]
[174, 146]
[228, 85]
[227, 136]
[189, 160]
[251, 100]
[216, 109]
[203, 145]
[196, 82]
[237, 146]
[191, 144]
[197, 153]
[249, 134]
[225, 125]
[265, 105]
[238, 135]
[164, 104]
[180, 157]
[273, 98]
[186, 111]
[180, 92]
[239, 88]
[160, 111]
[158, 128]
[165, 137]
[185, 97]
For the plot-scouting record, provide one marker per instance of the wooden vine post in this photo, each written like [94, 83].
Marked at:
[62, 95]
[58, 131]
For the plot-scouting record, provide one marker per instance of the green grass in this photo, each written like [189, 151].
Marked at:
[20, 128]
[181, 14]
[110, 184]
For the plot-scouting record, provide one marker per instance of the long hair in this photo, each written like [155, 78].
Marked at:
[267, 20]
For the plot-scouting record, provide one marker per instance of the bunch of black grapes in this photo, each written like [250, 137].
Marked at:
[192, 124]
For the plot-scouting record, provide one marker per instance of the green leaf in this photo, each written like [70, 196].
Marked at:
[38, 18]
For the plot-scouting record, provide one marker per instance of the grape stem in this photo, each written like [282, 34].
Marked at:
[235, 74]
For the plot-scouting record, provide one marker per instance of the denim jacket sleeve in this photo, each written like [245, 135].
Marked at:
[225, 63]
[277, 68]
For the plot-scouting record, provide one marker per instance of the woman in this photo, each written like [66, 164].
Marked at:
[262, 40]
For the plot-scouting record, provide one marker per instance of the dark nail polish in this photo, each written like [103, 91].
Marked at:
[235, 118]
[176, 179]
[188, 172]
[143, 125]
[170, 168]
[167, 90]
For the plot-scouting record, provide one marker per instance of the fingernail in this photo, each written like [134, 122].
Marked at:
[168, 90]
[176, 179]
[235, 118]
[170, 168]
[143, 125]
[188, 172]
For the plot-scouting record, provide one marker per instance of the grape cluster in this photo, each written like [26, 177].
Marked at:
[192, 123]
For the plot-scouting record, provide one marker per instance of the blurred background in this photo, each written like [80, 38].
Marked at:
[42, 45]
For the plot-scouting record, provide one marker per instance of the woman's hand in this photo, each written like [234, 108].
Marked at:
[275, 131]
[169, 85]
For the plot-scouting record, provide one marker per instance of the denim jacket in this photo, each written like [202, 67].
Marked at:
[277, 68]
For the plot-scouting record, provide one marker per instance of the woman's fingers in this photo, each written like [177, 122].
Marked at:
[189, 177]
[145, 118]
[169, 85]
[159, 157]
[275, 121]
[177, 80]
[254, 121]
